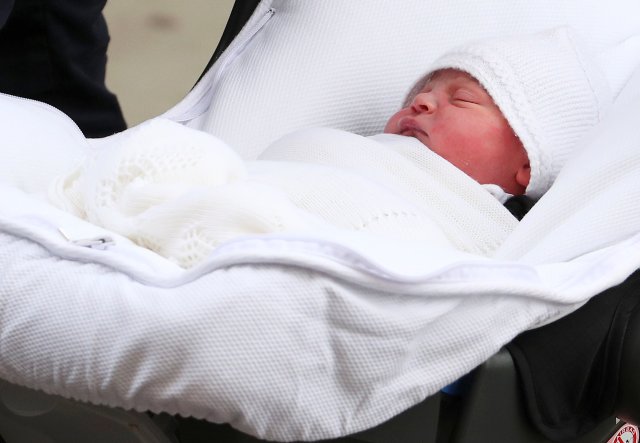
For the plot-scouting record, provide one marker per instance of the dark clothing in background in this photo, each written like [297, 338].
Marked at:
[5, 9]
[55, 51]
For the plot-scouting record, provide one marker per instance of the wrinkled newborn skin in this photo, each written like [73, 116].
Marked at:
[456, 118]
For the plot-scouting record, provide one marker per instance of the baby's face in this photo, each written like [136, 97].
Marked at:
[457, 119]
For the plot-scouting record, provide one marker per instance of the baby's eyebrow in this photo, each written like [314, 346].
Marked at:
[474, 87]
[466, 90]
[456, 86]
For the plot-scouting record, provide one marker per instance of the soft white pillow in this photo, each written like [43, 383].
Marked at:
[348, 64]
[39, 143]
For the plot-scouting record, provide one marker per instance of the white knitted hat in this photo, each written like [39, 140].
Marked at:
[547, 86]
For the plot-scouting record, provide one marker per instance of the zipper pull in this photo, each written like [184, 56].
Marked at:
[100, 242]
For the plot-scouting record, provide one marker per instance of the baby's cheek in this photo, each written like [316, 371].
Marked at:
[493, 138]
[508, 137]
[459, 148]
[479, 149]
[392, 124]
[466, 140]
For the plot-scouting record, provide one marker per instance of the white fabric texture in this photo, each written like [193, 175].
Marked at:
[181, 192]
[567, 223]
[470, 217]
[302, 338]
[29, 162]
[547, 85]
[348, 65]
[294, 338]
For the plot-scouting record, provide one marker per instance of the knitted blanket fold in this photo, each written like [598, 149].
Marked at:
[182, 193]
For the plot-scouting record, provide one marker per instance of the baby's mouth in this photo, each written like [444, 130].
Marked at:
[410, 128]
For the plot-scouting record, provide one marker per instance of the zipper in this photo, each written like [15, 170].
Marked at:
[198, 101]
[101, 242]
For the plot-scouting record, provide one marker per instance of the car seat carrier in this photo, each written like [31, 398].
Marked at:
[575, 379]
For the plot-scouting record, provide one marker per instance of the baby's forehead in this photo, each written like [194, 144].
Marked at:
[451, 75]
[449, 79]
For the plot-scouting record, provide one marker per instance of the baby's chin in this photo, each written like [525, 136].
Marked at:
[392, 127]
[419, 135]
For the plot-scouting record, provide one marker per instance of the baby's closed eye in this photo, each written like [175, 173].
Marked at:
[465, 95]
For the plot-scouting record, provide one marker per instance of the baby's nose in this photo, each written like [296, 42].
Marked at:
[424, 103]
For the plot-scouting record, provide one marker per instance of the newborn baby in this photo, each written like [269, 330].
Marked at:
[507, 112]
[458, 120]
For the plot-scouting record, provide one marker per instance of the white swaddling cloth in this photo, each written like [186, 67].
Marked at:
[181, 192]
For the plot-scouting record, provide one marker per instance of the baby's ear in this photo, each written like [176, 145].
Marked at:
[523, 175]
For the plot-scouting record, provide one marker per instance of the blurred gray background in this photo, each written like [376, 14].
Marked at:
[158, 50]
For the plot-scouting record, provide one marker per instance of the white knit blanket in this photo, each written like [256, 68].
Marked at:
[181, 193]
